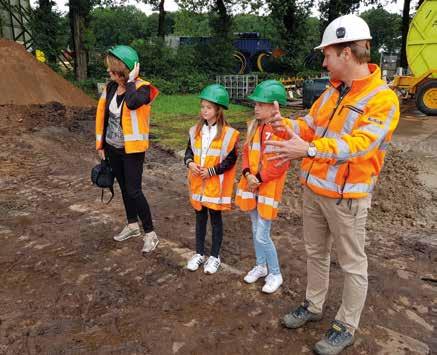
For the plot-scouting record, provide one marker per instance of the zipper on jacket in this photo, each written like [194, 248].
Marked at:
[346, 175]
[339, 100]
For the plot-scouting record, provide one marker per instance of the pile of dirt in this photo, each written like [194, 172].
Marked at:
[26, 81]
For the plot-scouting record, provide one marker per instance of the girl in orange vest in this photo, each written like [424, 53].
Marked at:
[122, 137]
[210, 158]
[260, 188]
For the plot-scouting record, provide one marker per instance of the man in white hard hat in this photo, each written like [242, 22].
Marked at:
[342, 142]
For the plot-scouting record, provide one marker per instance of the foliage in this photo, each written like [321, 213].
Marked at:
[191, 24]
[385, 28]
[50, 31]
[118, 25]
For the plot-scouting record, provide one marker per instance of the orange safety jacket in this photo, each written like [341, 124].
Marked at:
[214, 192]
[134, 123]
[351, 133]
[269, 193]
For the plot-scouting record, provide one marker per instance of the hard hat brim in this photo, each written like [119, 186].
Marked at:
[323, 45]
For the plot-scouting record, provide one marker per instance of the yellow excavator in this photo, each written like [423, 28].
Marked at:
[422, 60]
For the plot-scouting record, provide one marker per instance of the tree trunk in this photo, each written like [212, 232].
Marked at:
[405, 26]
[161, 19]
[80, 59]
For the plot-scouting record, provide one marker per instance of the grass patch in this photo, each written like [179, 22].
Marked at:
[173, 115]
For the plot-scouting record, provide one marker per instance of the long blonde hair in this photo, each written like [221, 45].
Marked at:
[252, 126]
[221, 122]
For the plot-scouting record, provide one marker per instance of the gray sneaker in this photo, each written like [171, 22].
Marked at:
[300, 316]
[128, 232]
[335, 340]
[150, 242]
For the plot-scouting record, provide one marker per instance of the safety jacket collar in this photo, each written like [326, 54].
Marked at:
[358, 84]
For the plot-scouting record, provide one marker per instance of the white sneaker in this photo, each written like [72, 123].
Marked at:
[273, 282]
[150, 242]
[211, 266]
[195, 262]
[128, 232]
[254, 274]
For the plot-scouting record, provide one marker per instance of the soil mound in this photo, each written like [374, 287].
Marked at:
[26, 81]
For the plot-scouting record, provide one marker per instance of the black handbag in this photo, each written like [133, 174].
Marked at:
[102, 176]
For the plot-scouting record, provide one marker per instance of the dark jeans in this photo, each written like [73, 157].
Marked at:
[217, 230]
[128, 170]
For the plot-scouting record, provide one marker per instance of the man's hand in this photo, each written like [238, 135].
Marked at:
[204, 173]
[194, 168]
[292, 149]
[276, 120]
[101, 153]
[135, 72]
[253, 182]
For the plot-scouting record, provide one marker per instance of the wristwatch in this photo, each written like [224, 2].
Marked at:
[312, 150]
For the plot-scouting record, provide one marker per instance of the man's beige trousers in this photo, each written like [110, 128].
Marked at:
[325, 223]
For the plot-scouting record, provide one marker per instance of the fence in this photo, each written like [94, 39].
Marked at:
[238, 86]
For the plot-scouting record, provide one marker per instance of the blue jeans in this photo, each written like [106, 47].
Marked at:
[265, 250]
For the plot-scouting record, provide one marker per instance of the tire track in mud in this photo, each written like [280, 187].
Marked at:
[71, 289]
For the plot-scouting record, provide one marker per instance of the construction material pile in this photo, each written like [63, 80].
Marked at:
[26, 81]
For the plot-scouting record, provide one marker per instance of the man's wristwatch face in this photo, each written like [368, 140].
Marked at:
[312, 150]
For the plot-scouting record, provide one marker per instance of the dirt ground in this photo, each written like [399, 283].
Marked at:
[68, 288]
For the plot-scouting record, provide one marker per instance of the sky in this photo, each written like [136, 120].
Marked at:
[170, 5]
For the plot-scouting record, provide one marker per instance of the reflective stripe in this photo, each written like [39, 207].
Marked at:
[295, 127]
[358, 188]
[332, 172]
[327, 185]
[361, 104]
[268, 201]
[245, 194]
[375, 130]
[332, 186]
[192, 137]
[326, 96]
[216, 200]
[226, 141]
[136, 137]
[255, 146]
[213, 152]
[134, 120]
[384, 146]
[320, 132]
[309, 120]
[381, 138]
[270, 149]
[98, 137]
[343, 147]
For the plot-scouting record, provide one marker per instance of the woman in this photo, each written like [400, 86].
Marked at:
[122, 137]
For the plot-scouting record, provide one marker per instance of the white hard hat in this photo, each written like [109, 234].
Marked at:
[345, 28]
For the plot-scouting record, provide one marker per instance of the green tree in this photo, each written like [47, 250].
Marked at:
[188, 23]
[385, 28]
[293, 26]
[118, 25]
[50, 30]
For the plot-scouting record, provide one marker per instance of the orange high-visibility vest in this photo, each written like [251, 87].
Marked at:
[216, 191]
[351, 136]
[135, 123]
[269, 193]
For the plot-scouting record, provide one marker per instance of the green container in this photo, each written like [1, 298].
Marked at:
[422, 39]
[312, 89]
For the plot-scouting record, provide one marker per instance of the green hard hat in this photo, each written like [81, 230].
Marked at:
[268, 91]
[126, 54]
[216, 93]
